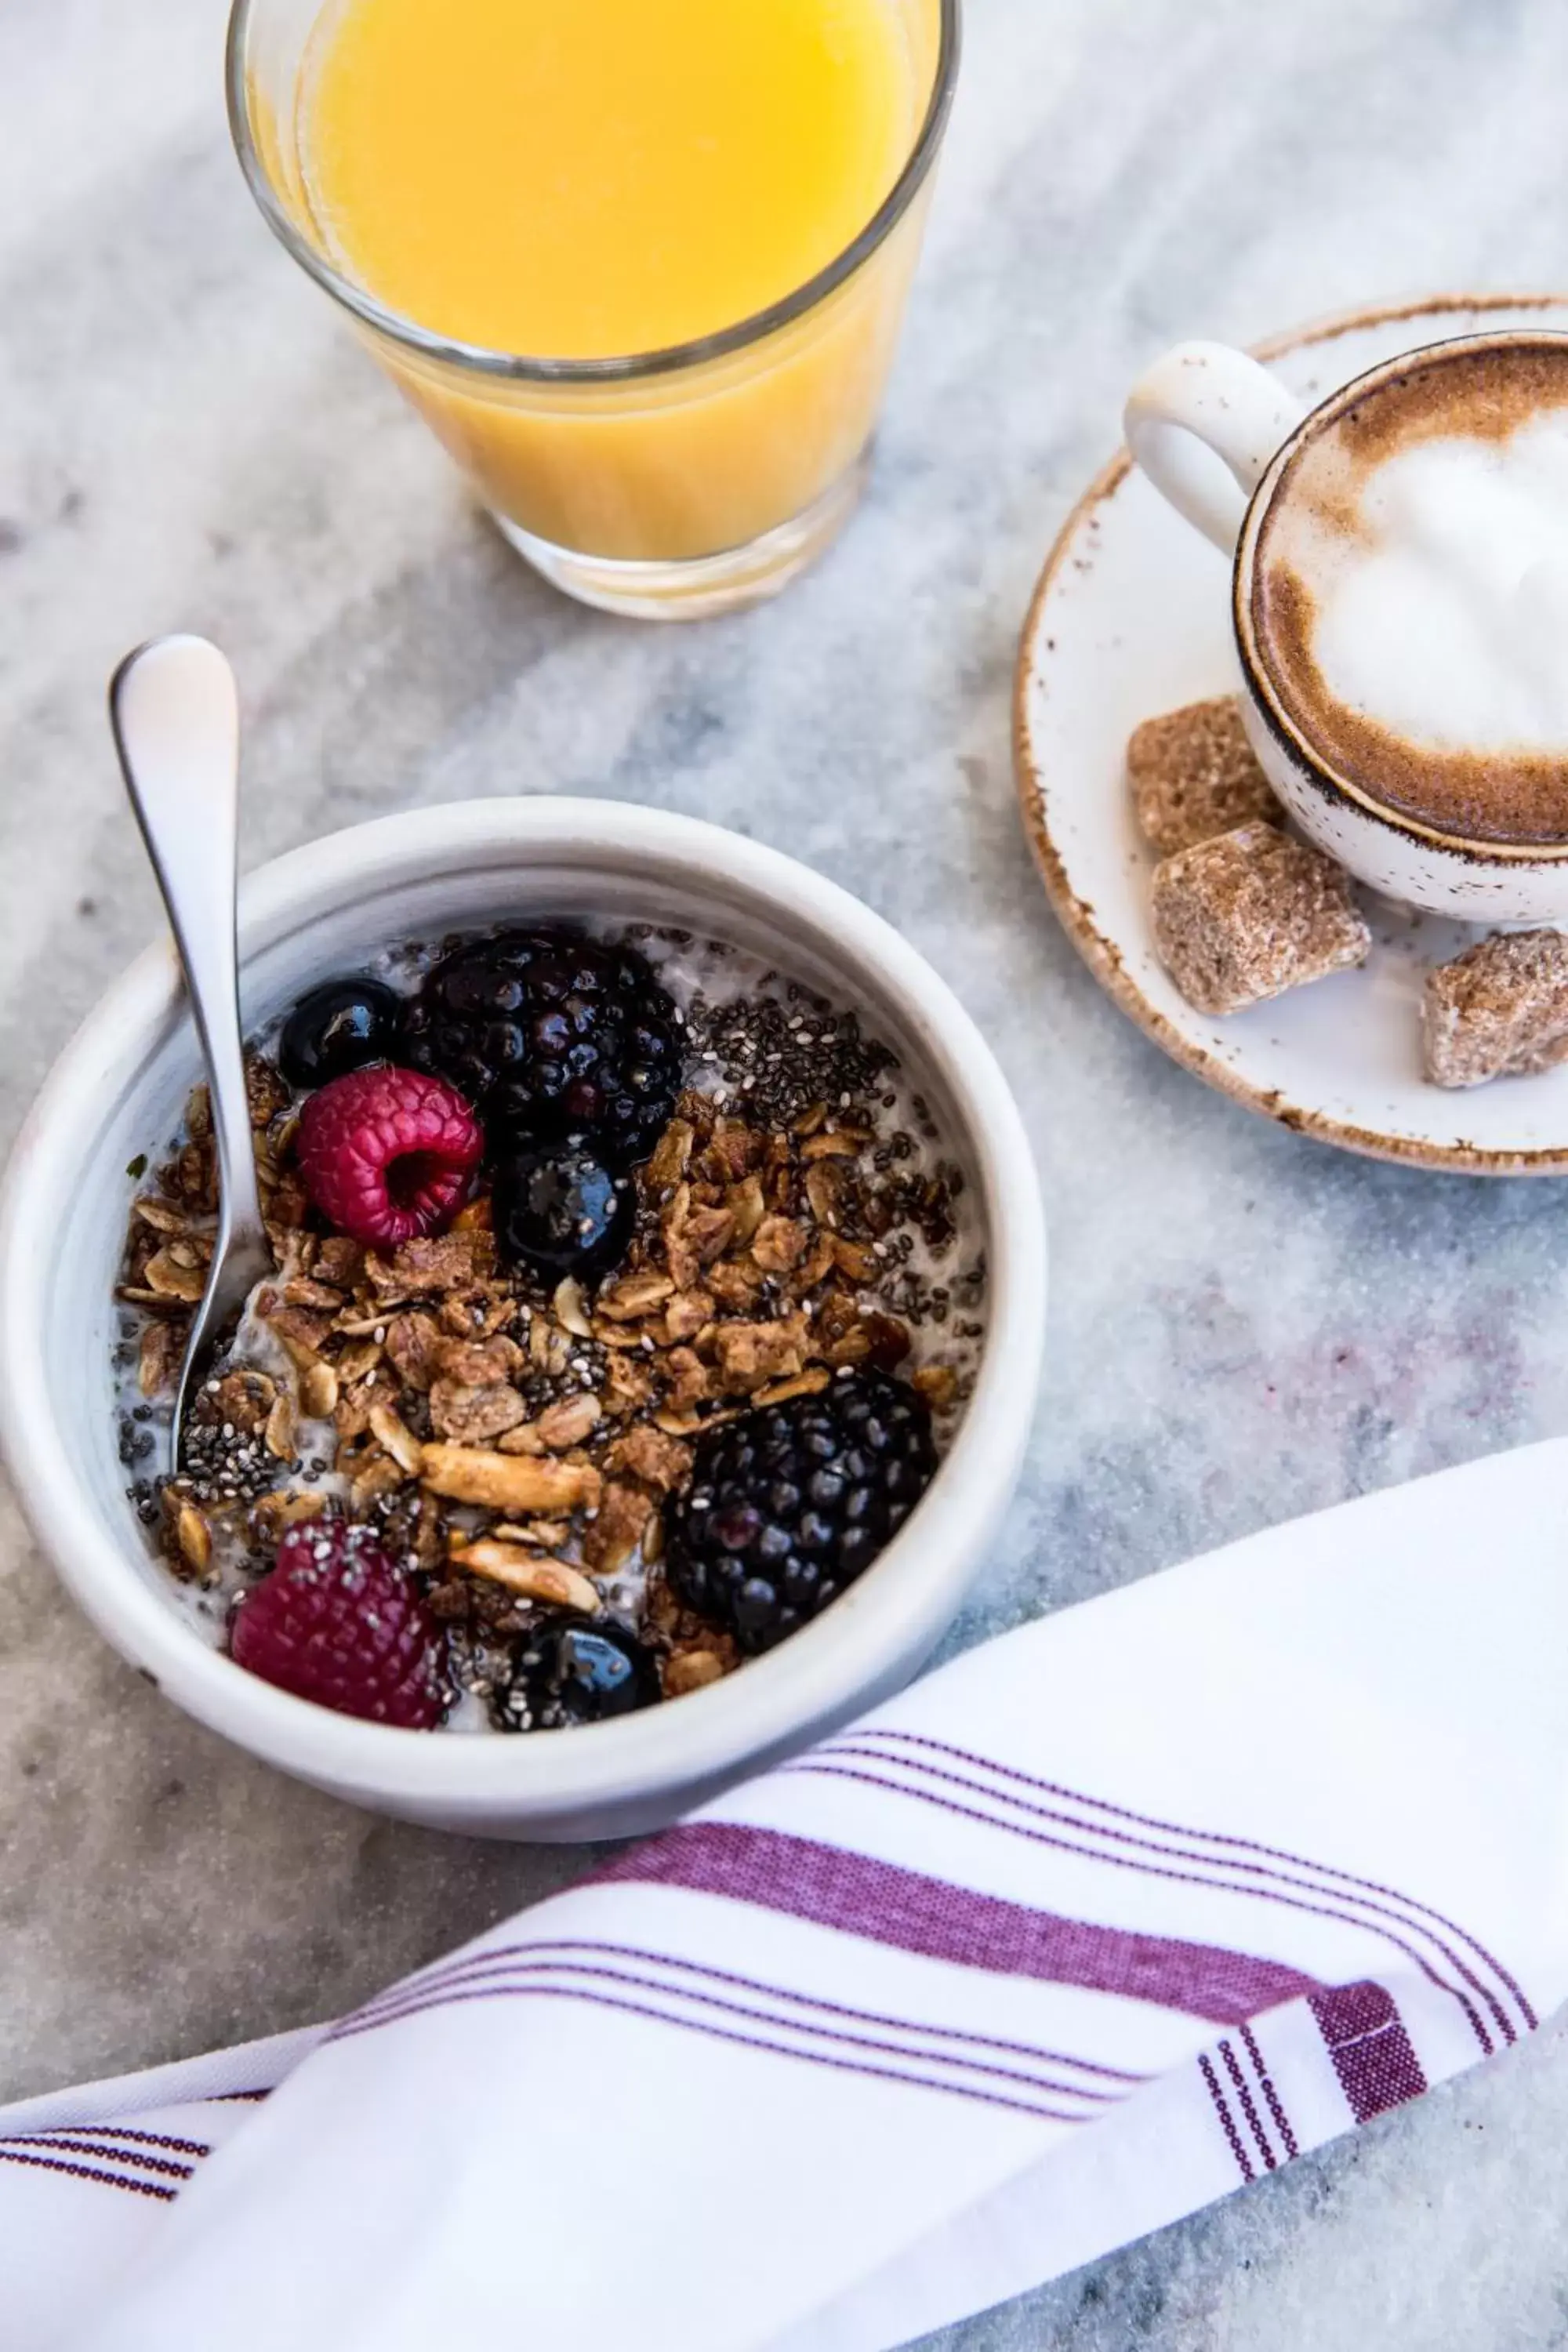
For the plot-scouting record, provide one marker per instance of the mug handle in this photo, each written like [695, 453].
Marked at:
[1200, 404]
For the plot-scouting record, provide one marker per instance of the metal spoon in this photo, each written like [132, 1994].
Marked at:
[175, 714]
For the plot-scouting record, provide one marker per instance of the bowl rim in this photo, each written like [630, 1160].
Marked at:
[883, 1623]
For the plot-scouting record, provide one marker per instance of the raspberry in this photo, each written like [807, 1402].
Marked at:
[388, 1154]
[790, 1504]
[337, 1622]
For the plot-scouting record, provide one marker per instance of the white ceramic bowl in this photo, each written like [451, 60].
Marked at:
[118, 1090]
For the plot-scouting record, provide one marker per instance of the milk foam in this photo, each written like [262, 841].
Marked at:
[1438, 579]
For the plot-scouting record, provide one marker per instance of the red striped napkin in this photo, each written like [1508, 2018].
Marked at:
[1106, 1919]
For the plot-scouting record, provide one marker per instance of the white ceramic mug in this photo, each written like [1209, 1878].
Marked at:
[1214, 432]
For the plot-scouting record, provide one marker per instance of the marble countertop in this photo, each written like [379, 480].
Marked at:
[1245, 1326]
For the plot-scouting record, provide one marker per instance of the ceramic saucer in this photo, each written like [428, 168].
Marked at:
[1130, 618]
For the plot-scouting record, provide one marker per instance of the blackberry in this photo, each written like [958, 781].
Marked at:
[550, 1034]
[570, 1669]
[788, 1506]
[558, 1212]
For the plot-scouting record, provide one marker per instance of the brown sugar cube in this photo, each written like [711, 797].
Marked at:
[1250, 914]
[1193, 775]
[1499, 1009]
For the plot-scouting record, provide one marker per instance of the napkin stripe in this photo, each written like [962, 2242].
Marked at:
[504, 1984]
[1234, 2070]
[713, 2031]
[86, 2172]
[861, 1895]
[496, 1961]
[1273, 1860]
[60, 2144]
[1281, 2123]
[142, 2139]
[1371, 2051]
[1227, 2121]
[991, 1819]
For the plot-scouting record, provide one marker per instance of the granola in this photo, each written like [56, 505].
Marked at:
[516, 1444]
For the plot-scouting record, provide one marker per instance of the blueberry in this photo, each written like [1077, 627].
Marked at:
[342, 1026]
[559, 1211]
[575, 1670]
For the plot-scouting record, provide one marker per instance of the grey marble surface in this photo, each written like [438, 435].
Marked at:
[1244, 1325]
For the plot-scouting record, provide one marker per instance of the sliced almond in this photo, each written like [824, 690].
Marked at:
[540, 1535]
[170, 1277]
[747, 1206]
[364, 1327]
[853, 1348]
[356, 1363]
[299, 1353]
[855, 1261]
[571, 1309]
[635, 1295]
[161, 1215]
[392, 1433]
[319, 1392]
[194, 1538]
[301, 1291]
[523, 1572]
[836, 1144]
[821, 1188]
[382, 1477]
[810, 1382]
[158, 1358]
[283, 1428]
[625, 1337]
[285, 1507]
[818, 1261]
[508, 1481]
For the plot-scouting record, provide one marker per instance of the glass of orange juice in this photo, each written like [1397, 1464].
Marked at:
[640, 264]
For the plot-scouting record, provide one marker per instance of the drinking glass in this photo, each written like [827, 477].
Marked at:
[669, 484]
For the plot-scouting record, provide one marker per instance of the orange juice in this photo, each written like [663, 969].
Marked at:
[566, 185]
[584, 179]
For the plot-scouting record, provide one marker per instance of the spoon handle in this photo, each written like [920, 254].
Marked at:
[176, 713]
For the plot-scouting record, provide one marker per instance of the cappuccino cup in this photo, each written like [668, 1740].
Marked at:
[1399, 600]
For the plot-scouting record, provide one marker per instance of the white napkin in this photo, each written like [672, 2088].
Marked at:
[1091, 1927]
